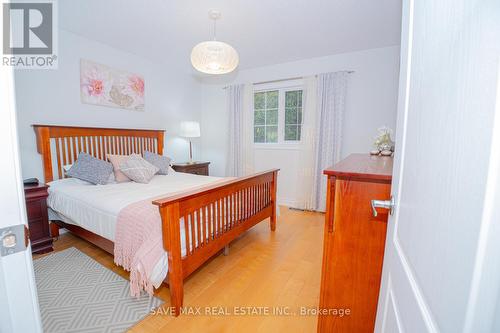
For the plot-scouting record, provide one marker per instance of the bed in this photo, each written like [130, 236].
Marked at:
[221, 208]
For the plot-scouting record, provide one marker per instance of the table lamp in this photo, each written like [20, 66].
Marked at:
[190, 129]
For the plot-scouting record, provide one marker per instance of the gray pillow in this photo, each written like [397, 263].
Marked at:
[91, 169]
[111, 179]
[159, 161]
[138, 169]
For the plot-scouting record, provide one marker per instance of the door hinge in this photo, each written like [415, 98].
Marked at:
[13, 239]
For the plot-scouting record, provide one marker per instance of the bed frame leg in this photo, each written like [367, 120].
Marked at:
[272, 223]
[54, 230]
[176, 286]
[226, 250]
[172, 244]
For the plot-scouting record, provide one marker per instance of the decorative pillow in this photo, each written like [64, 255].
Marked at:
[111, 179]
[138, 169]
[117, 160]
[159, 161]
[91, 169]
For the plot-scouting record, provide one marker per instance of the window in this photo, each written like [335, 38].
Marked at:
[293, 115]
[278, 115]
[266, 116]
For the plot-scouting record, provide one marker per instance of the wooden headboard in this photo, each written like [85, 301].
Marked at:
[60, 145]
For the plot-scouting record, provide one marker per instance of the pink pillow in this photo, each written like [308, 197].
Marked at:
[116, 160]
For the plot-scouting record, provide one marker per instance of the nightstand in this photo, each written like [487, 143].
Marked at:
[38, 219]
[196, 168]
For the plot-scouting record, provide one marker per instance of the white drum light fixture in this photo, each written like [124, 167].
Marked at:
[214, 57]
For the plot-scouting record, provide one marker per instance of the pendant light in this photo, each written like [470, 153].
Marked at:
[214, 57]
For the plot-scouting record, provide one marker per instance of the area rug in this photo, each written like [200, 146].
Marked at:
[77, 294]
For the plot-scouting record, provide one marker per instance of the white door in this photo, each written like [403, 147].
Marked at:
[19, 310]
[442, 258]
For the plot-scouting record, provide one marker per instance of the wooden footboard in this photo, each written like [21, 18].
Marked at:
[213, 217]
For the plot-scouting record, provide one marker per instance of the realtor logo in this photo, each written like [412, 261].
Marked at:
[29, 35]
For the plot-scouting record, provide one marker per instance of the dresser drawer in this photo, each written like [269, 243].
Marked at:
[35, 209]
[39, 228]
[200, 171]
[199, 168]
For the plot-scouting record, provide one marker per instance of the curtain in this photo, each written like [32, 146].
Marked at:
[239, 103]
[305, 184]
[330, 105]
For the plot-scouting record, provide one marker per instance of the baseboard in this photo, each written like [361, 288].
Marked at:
[288, 202]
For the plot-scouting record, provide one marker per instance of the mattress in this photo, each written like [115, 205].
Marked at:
[96, 207]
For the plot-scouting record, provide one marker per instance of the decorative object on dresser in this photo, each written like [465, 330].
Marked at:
[190, 129]
[354, 241]
[196, 168]
[38, 220]
[383, 143]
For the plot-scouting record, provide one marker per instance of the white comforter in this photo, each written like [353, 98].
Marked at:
[96, 207]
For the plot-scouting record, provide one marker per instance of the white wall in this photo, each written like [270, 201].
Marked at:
[371, 102]
[53, 97]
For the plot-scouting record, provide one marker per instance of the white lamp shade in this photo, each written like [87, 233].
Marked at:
[214, 57]
[190, 129]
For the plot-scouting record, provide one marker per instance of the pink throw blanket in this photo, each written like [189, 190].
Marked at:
[138, 240]
[138, 243]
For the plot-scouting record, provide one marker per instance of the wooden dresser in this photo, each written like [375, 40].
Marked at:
[196, 168]
[38, 220]
[354, 241]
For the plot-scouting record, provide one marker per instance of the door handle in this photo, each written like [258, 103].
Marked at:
[386, 204]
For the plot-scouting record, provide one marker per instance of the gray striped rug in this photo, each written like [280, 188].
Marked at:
[77, 294]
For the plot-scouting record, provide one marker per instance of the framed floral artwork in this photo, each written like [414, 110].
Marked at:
[106, 86]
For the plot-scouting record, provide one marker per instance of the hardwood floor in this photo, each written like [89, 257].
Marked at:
[269, 270]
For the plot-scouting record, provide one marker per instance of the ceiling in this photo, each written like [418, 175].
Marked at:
[263, 32]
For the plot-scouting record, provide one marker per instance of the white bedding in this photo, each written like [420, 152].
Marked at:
[96, 207]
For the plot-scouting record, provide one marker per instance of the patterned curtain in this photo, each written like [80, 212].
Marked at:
[239, 103]
[305, 184]
[330, 106]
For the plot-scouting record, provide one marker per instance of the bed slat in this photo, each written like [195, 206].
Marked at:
[198, 228]
[186, 235]
[214, 221]
[193, 236]
[207, 223]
